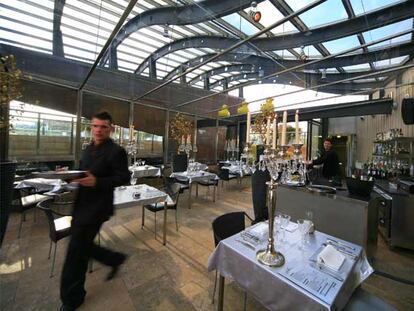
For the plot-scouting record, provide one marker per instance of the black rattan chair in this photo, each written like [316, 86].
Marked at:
[24, 200]
[211, 181]
[179, 163]
[225, 175]
[225, 226]
[173, 190]
[59, 226]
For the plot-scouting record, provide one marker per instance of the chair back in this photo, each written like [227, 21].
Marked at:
[259, 192]
[179, 163]
[45, 206]
[173, 190]
[227, 225]
[224, 174]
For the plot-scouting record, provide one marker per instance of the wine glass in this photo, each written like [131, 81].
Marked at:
[304, 226]
[133, 179]
[285, 219]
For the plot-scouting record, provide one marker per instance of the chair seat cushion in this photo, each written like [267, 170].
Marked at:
[32, 199]
[63, 223]
[210, 182]
[155, 207]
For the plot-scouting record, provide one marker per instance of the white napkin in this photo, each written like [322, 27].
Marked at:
[331, 258]
[260, 230]
[291, 226]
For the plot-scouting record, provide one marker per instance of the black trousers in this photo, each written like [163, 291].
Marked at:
[81, 248]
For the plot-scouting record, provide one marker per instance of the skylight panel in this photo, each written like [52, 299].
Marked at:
[6, 13]
[342, 44]
[310, 51]
[34, 8]
[362, 7]
[284, 54]
[75, 52]
[26, 39]
[360, 67]
[327, 12]
[29, 30]
[240, 23]
[390, 62]
[388, 30]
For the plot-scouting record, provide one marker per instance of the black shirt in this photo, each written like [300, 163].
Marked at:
[109, 164]
[330, 162]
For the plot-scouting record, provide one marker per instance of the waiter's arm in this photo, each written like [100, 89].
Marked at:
[120, 172]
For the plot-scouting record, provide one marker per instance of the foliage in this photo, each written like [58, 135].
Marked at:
[9, 86]
[180, 127]
[260, 121]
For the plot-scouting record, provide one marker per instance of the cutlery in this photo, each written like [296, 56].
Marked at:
[341, 244]
[325, 270]
[245, 243]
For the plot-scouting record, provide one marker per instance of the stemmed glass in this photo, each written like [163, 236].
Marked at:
[133, 179]
[304, 226]
[285, 219]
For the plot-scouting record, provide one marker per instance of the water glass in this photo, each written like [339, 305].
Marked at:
[285, 219]
[304, 226]
[133, 179]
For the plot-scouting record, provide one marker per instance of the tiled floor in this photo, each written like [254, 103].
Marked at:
[156, 277]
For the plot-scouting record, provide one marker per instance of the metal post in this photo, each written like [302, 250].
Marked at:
[38, 135]
[238, 139]
[131, 121]
[195, 136]
[166, 136]
[78, 127]
[216, 142]
[71, 136]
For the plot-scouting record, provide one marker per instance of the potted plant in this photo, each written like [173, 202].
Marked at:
[9, 90]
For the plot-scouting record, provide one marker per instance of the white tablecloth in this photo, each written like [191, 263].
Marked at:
[124, 196]
[237, 170]
[145, 171]
[194, 176]
[41, 184]
[279, 288]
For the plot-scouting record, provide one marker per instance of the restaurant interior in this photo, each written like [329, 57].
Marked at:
[269, 148]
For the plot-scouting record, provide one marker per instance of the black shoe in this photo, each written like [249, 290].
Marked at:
[115, 268]
[67, 308]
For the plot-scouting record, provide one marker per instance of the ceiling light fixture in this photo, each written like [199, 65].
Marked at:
[302, 54]
[323, 74]
[254, 13]
[166, 33]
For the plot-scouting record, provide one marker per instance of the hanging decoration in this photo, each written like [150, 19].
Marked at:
[181, 127]
[224, 112]
[267, 114]
[243, 109]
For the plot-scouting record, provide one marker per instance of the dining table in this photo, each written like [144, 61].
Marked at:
[131, 196]
[141, 171]
[192, 177]
[302, 282]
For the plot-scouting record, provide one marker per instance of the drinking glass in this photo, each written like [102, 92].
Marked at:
[133, 179]
[285, 219]
[278, 224]
[304, 226]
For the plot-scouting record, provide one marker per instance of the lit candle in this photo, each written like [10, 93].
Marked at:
[268, 132]
[274, 133]
[283, 142]
[189, 139]
[182, 140]
[297, 127]
[195, 136]
[248, 127]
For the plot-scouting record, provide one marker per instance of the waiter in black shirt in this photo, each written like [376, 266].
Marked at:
[329, 159]
[107, 167]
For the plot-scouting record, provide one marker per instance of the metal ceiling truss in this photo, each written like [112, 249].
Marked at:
[398, 50]
[352, 26]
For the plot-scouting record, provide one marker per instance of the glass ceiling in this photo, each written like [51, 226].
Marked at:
[87, 24]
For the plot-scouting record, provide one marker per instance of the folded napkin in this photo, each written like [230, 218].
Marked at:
[331, 258]
[260, 230]
[291, 226]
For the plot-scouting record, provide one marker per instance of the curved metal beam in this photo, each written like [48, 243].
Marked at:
[181, 15]
[362, 23]
[311, 79]
[250, 68]
[348, 60]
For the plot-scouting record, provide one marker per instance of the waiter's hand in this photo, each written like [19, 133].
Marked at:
[88, 181]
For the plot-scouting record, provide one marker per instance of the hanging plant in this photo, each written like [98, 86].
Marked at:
[180, 127]
[224, 112]
[260, 122]
[10, 86]
[243, 109]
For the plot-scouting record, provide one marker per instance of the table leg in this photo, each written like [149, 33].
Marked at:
[164, 238]
[143, 217]
[189, 195]
[220, 294]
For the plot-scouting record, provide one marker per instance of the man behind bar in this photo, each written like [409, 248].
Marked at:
[329, 159]
[106, 167]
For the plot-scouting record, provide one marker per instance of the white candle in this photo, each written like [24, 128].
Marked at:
[283, 142]
[274, 133]
[248, 127]
[297, 140]
[195, 136]
[182, 140]
[268, 132]
[189, 139]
